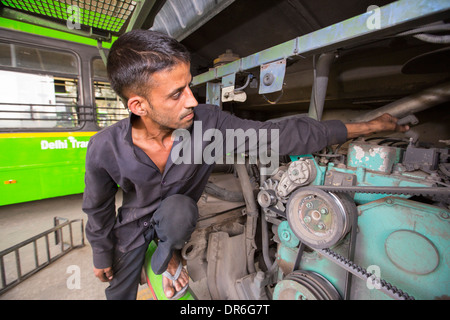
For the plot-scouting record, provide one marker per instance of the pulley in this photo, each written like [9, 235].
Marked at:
[305, 285]
[318, 218]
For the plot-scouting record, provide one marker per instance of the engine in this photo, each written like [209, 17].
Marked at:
[365, 220]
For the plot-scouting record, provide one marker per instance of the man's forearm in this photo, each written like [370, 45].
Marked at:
[386, 122]
[355, 130]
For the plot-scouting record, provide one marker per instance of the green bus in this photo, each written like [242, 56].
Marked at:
[54, 95]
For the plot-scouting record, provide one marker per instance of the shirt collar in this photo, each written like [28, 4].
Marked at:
[128, 125]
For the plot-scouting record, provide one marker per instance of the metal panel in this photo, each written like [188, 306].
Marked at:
[272, 76]
[179, 18]
[391, 229]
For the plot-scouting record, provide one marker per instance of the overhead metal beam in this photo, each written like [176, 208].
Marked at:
[391, 19]
[143, 9]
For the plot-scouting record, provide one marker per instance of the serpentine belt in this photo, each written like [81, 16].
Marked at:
[438, 192]
[363, 274]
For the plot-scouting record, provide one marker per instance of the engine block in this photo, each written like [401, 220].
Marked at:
[400, 238]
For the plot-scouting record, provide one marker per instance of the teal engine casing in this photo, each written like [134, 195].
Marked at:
[333, 236]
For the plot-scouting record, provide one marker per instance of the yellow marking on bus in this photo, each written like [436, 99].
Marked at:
[47, 134]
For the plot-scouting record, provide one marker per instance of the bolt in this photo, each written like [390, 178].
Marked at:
[321, 226]
[307, 219]
[324, 211]
[315, 215]
[299, 296]
[285, 235]
[268, 79]
[444, 215]
[309, 205]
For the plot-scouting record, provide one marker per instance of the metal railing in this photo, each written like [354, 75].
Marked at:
[53, 250]
[29, 115]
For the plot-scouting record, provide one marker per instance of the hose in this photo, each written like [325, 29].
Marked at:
[252, 215]
[223, 194]
[431, 38]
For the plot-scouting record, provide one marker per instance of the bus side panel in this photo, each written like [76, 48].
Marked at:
[36, 166]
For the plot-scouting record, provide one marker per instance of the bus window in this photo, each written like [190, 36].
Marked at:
[109, 107]
[30, 58]
[38, 88]
[5, 55]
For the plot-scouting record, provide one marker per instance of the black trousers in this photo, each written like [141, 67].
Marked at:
[172, 223]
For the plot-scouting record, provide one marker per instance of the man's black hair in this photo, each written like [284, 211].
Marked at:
[136, 55]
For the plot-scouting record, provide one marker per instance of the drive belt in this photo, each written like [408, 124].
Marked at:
[382, 285]
[437, 192]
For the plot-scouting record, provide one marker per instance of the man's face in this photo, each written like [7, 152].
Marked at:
[170, 99]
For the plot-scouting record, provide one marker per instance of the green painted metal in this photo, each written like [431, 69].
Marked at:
[287, 237]
[155, 281]
[395, 17]
[313, 261]
[373, 157]
[213, 93]
[41, 165]
[51, 33]
[408, 242]
[367, 178]
[272, 76]
[371, 165]
[411, 252]
[89, 15]
[289, 290]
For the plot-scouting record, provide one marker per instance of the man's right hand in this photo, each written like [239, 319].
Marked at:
[105, 275]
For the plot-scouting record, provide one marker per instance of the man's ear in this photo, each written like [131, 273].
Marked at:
[136, 104]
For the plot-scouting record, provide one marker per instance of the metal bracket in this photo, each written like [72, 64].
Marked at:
[272, 76]
[228, 92]
[228, 87]
[213, 93]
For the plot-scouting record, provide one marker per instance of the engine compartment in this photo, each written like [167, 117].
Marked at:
[327, 230]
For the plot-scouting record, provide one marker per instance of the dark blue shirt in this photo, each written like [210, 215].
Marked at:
[113, 160]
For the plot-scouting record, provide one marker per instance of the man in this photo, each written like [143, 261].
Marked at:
[151, 72]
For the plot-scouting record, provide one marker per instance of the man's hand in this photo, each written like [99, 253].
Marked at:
[105, 275]
[385, 122]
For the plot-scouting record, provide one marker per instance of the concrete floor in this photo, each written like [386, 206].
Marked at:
[56, 281]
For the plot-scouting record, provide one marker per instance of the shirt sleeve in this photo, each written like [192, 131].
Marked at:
[296, 135]
[99, 205]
